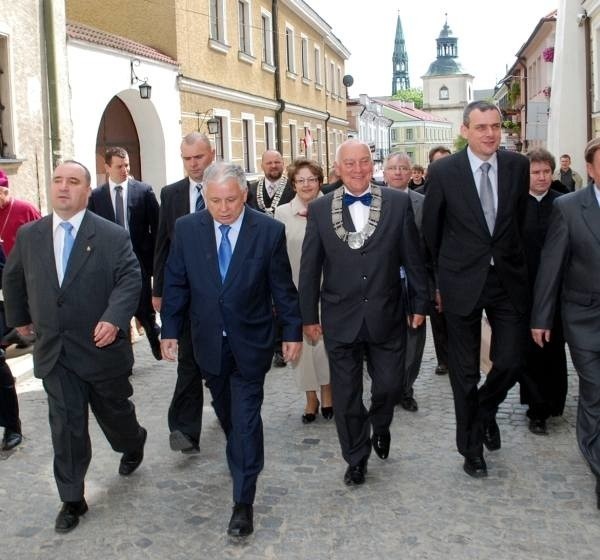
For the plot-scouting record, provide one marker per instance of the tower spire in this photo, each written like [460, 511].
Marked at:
[400, 79]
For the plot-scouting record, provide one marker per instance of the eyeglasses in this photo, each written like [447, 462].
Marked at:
[304, 181]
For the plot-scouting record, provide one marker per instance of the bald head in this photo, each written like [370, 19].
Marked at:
[272, 165]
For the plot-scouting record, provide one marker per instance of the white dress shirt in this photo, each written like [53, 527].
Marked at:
[359, 212]
[113, 194]
[58, 234]
[233, 232]
[475, 163]
[597, 191]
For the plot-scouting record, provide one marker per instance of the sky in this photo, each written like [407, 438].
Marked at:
[489, 32]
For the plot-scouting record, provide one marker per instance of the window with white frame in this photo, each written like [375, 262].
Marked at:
[222, 140]
[269, 133]
[6, 125]
[319, 145]
[318, 78]
[267, 38]
[248, 143]
[332, 76]
[290, 49]
[304, 56]
[339, 81]
[244, 30]
[409, 134]
[217, 20]
[218, 140]
[293, 141]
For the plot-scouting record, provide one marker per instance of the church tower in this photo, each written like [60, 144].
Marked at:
[447, 88]
[400, 79]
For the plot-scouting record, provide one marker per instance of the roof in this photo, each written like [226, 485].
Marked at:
[444, 66]
[410, 111]
[97, 37]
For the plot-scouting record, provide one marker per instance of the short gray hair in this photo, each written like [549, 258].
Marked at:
[193, 137]
[480, 105]
[220, 172]
[397, 155]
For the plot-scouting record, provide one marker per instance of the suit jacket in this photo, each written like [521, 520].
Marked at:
[174, 203]
[258, 276]
[360, 285]
[286, 196]
[457, 235]
[102, 283]
[571, 255]
[141, 215]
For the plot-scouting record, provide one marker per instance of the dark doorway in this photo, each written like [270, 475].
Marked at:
[117, 129]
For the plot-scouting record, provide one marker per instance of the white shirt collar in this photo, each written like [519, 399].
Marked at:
[476, 162]
[75, 221]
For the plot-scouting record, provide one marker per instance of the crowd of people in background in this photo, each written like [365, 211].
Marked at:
[326, 278]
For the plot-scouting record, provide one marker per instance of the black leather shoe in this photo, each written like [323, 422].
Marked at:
[598, 492]
[475, 467]
[11, 439]
[278, 360]
[131, 461]
[538, 427]
[381, 445]
[68, 516]
[154, 340]
[356, 474]
[327, 412]
[241, 523]
[441, 369]
[182, 442]
[491, 436]
[409, 403]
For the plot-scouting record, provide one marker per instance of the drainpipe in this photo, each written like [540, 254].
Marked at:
[53, 109]
[588, 77]
[526, 97]
[327, 140]
[277, 75]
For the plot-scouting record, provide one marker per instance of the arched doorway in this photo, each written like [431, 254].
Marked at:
[117, 129]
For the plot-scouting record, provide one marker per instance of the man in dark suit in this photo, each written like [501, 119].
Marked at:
[570, 262]
[397, 169]
[473, 217]
[356, 240]
[72, 278]
[176, 200]
[265, 195]
[226, 267]
[132, 205]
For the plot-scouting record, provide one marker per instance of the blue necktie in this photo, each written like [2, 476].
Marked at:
[199, 199]
[224, 251]
[351, 199]
[67, 244]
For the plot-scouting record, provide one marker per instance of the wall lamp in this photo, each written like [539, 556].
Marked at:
[212, 124]
[145, 87]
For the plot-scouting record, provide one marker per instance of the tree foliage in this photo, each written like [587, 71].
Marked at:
[413, 94]
[460, 142]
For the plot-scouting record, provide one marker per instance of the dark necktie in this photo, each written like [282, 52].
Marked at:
[199, 198]
[224, 251]
[486, 195]
[351, 199]
[119, 212]
[68, 242]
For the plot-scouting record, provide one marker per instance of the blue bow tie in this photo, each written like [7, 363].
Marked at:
[351, 199]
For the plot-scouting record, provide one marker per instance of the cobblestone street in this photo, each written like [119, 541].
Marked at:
[537, 503]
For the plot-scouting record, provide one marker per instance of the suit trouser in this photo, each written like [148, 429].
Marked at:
[9, 404]
[440, 335]
[145, 313]
[475, 407]
[415, 345]
[237, 401]
[68, 400]
[587, 364]
[185, 410]
[352, 420]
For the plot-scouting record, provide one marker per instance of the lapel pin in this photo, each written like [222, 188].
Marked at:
[88, 248]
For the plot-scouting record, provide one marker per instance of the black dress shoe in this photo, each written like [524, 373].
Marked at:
[475, 467]
[278, 360]
[409, 403]
[381, 445]
[327, 412]
[182, 442]
[491, 436]
[154, 340]
[309, 417]
[131, 461]
[441, 369]
[241, 523]
[598, 492]
[11, 439]
[356, 474]
[538, 427]
[68, 516]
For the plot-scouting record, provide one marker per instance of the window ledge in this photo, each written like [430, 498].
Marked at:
[11, 163]
[218, 46]
[268, 67]
[291, 75]
[245, 57]
[318, 87]
[305, 81]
